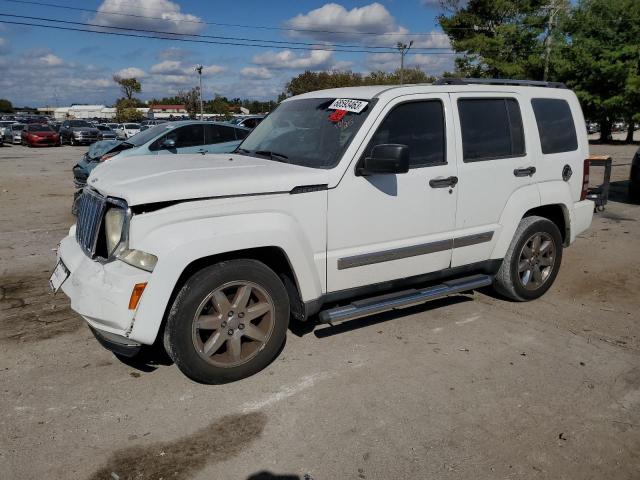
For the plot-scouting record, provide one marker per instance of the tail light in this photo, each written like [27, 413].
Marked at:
[585, 180]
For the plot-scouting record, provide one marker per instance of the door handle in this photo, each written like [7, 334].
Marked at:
[202, 151]
[441, 182]
[524, 172]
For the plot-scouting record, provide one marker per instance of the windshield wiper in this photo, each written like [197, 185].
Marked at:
[241, 150]
[279, 157]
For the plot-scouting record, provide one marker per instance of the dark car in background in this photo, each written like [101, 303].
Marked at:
[251, 121]
[40, 135]
[78, 132]
[105, 133]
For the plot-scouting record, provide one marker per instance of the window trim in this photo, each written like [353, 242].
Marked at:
[501, 157]
[360, 161]
[575, 131]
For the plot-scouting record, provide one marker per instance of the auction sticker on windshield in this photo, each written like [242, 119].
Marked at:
[348, 104]
[59, 275]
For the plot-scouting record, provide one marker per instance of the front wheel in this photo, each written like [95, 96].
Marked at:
[532, 261]
[228, 322]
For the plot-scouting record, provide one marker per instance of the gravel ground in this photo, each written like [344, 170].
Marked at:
[467, 387]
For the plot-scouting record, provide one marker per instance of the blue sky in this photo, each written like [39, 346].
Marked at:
[54, 67]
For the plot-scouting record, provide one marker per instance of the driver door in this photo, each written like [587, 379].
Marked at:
[393, 226]
[188, 139]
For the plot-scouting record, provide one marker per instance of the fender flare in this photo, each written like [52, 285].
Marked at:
[178, 245]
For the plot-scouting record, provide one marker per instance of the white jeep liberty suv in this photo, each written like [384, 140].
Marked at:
[340, 204]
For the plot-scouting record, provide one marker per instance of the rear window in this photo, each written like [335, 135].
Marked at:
[555, 125]
[491, 128]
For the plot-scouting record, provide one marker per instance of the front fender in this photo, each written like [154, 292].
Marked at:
[179, 244]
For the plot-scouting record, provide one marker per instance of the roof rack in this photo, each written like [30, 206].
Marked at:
[497, 81]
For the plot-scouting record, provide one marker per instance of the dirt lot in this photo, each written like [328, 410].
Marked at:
[468, 387]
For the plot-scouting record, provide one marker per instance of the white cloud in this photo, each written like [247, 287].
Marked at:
[362, 25]
[256, 72]
[4, 46]
[51, 60]
[131, 72]
[287, 60]
[175, 53]
[390, 62]
[212, 69]
[168, 67]
[162, 15]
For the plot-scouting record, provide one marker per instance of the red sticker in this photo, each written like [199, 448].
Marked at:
[337, 115]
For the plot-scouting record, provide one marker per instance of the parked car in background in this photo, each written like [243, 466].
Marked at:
[151, 123]
[250, 122]
[105, 133]
[634, 178]
[38, 135]
[4, 124]
[77, 132]
[89, 160]
[187, 136]
[112, 126]
[127, 130]
[13, 133]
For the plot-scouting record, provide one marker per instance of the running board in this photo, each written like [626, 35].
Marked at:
[404, 299]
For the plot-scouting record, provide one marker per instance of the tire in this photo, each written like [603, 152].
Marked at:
[225, 349]
[529, 285]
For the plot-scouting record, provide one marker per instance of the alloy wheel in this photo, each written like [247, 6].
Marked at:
[536, 260]
[233, 324]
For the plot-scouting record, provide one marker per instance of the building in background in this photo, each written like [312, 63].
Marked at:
[166, 111]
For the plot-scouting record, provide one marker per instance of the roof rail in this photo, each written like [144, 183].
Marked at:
[497, 81]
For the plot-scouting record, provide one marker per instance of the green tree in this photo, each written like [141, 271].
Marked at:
[126, 110]
[601, 62]
[5, 106]
[503, 38]
[128, 86]
[219, 105]
[191, 100]
[310, 81]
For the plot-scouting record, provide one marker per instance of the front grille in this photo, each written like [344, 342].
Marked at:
[91, 208]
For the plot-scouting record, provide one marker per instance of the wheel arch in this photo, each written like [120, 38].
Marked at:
[558, 214]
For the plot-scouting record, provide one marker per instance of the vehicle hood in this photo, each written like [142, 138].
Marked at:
[97, 149]
[167, 178]
[43, 134]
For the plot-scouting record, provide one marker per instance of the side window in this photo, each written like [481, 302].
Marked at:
[241, 133]
[188, 136]
[555, 124]
[218, 134]
[491, 128]
[420, 126]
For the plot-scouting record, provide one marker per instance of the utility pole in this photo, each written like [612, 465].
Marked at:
[198, 68]
[403, 48]
[554, 8]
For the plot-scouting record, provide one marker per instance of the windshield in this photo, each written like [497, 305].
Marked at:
[131, 126]
[79, 123]
[17, 127]
[147, 135]
[306, 132]
[103, 128]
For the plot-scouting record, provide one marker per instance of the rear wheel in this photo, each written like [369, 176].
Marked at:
[532, 261]
[228, 322]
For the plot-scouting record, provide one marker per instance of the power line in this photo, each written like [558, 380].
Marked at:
[195, 40]
[216, 37]
[219, 24]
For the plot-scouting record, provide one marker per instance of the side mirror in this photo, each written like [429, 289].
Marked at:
[168, 143]
[386, 159]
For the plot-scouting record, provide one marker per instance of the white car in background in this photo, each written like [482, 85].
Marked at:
[13, 133]
[4, 124]
[127, 130]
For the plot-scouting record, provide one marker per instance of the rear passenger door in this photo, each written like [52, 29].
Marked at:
[494, 165]
[220, 139]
